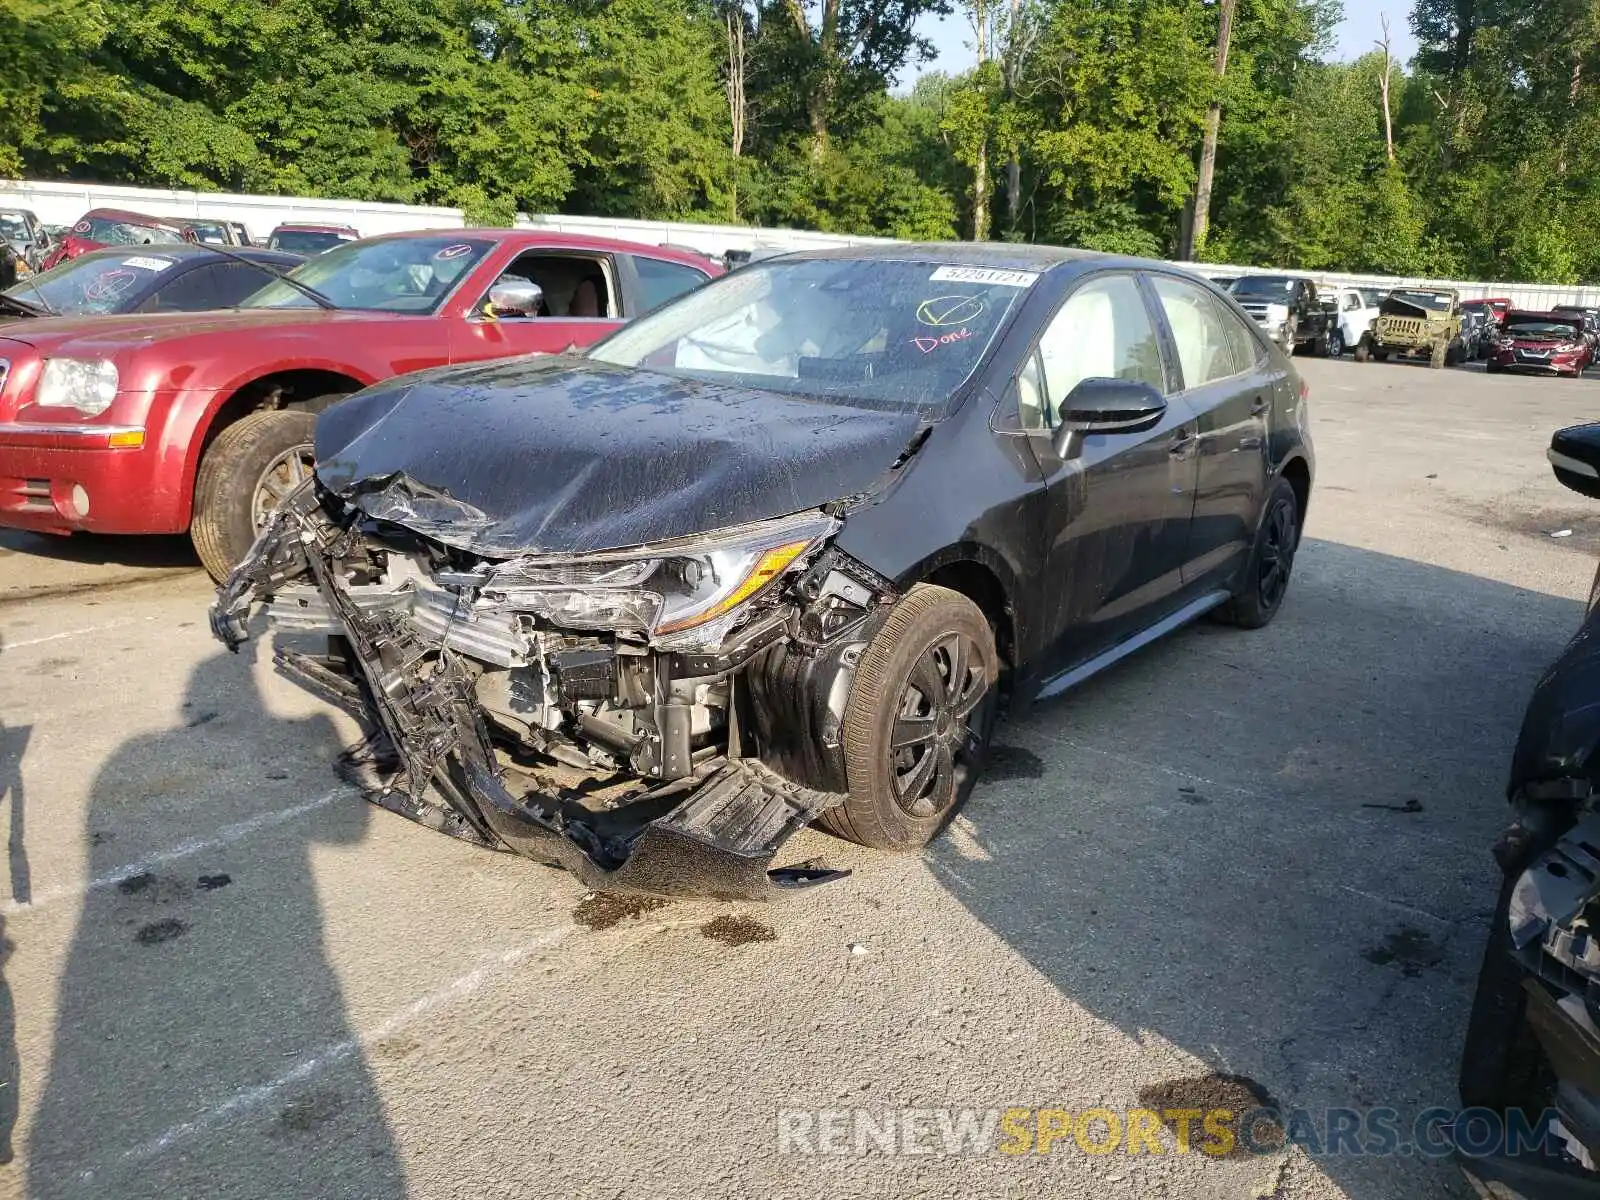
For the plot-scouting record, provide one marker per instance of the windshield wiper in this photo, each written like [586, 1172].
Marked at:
[22, 307]
[42, 309]
[305, 289]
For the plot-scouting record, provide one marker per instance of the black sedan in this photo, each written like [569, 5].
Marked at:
[775, 552]
[144, 279]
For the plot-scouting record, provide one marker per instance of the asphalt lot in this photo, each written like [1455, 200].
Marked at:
[1254, 854]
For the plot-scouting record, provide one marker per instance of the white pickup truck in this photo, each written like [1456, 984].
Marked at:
[1356, 307]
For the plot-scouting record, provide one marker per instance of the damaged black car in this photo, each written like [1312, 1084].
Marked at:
[1532, 1050]
[777, 553]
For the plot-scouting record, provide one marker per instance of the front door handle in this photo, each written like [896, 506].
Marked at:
[1182, 442]
[1260, 406]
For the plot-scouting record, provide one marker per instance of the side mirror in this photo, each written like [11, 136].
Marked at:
[1574, 455]
[514, 296]
[1109, 406]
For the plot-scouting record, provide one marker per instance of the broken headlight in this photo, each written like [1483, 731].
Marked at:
[686, 592]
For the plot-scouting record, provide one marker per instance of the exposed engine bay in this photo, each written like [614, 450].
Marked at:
[656, 720]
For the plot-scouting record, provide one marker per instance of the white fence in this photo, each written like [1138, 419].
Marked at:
[64, 203]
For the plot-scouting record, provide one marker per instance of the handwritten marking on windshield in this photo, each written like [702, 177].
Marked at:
[949, 310]
[929, 344]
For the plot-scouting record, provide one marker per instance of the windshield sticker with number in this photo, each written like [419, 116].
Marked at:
[985, 275]
[148, 264]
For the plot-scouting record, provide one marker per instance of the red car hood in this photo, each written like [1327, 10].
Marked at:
[106, 336]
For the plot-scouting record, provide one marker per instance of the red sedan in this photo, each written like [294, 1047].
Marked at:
[1549, 343]
[163, 423]
[116, 227]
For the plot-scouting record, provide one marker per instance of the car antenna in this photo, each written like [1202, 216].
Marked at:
[305, 289]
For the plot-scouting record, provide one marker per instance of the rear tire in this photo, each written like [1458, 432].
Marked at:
[1266, 579]
[927, 682]
[1363, 349]
[1333, 344]
[252, 462]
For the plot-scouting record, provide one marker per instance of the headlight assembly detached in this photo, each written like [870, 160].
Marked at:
[687, 592]
[86, 384]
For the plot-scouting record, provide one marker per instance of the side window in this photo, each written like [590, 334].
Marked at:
[573, 286]
[1206, 349]
[662, 281]
[1352, 301]
[193, 291]
[235, 281]
[1103, 331]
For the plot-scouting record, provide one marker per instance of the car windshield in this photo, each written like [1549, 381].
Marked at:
[1434, 301]
[1262, 287]
[1540, 328]
[107, 281]
[403, 274]
[871, 331]
[307, 241]
[14, 229]
[124, 233]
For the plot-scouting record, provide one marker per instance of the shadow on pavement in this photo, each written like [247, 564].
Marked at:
[1222, 802]
[195, 995]
[103, 549]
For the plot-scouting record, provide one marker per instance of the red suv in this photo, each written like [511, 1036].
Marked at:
[170, 422]
[1550, 343]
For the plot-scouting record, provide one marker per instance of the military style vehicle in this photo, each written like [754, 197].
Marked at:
[1413, 322]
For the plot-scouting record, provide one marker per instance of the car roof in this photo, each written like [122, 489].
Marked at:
[1004, 255]
[311, 227]
[1544, 315]
[132, 218]
[542, 239]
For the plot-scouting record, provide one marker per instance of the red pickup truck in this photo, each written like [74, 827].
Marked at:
[169, 422]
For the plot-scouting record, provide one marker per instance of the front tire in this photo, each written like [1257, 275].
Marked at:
[917, 724]
[1334, 347]
[1364, 348]
[247, 471]
[1266, 579]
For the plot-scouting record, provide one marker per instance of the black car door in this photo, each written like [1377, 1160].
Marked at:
[1116, 505]
[1229, 380]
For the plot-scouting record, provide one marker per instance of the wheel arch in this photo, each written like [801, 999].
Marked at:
[1298, 472]
[987, 582]
[289, 387]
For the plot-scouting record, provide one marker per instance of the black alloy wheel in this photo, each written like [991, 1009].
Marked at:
[917, 723]
[1277, 555]
[934, 740]
[1266, 576]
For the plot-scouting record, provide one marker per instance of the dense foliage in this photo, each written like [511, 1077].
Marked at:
[1081, 123]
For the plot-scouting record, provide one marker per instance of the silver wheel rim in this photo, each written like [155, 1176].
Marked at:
[280, 477]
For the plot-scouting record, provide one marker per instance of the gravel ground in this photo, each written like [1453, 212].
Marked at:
[1253, 855]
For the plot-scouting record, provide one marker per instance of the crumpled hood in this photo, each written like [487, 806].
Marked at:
[562, 455]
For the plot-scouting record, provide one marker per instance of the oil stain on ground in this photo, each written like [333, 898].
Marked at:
[737, 931]
[602, 910]
[164, 930]
[1411, 948]
[305, 1113]
[1011, 762]
[1237, 1094]
[157, 889]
